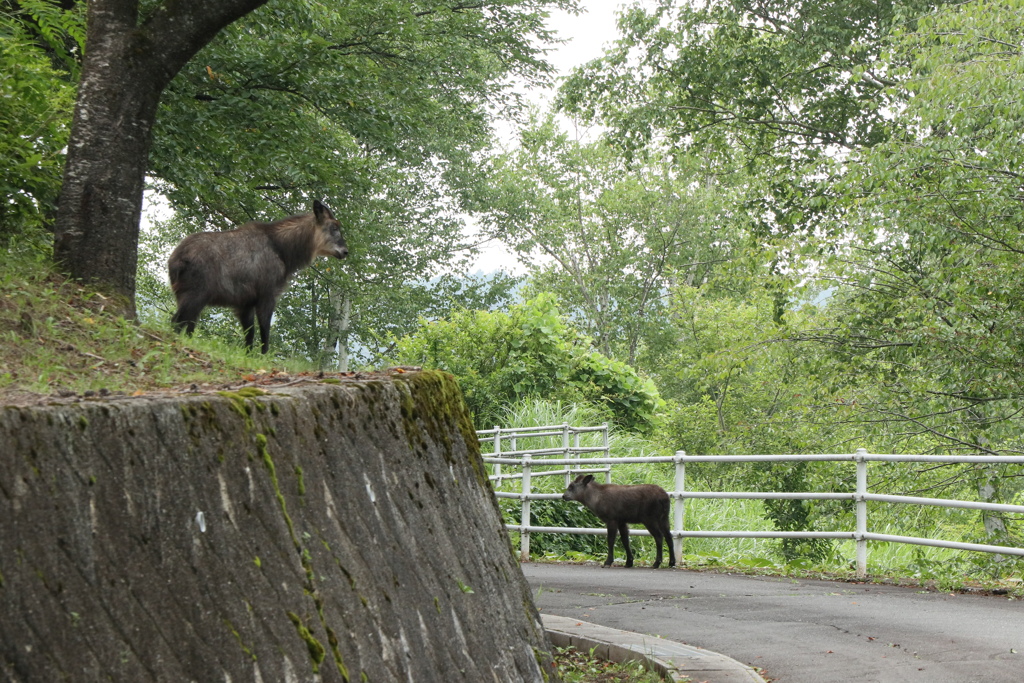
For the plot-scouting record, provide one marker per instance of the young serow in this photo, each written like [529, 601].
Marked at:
[618, 506]
[248, 268]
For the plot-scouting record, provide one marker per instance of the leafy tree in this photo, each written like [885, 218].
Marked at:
[788, 89]
[929, 293]
[607, 236]
[36, 96]
[529, 352]
[738, 380]
[304, 102]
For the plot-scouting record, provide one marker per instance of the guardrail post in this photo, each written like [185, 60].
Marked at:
[575, 456]
[497, 453]
[607, 454]
[524, 519]
[862, 512]
[680, 503]
[565, 450]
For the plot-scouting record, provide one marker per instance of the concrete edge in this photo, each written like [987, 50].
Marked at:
[675, 661]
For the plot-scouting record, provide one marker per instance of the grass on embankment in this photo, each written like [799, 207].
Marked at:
[58, 338]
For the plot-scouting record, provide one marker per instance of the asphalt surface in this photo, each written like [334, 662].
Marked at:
[799, 631]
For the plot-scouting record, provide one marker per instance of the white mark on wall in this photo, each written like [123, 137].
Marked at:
[332, 511]
[252, 485]
[461, 635]
[225, 499]
[130, 504]
[369, 489]
[387, 652]
[20, 489]
[289, 671]
[94, 520]
[406, 653]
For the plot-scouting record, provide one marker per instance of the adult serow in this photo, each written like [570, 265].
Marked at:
[619, 506]
[247, 269]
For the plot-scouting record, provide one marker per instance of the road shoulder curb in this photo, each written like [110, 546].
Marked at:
[674, 660]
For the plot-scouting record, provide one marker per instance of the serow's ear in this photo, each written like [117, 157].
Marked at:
[321, 212]
[589, 478]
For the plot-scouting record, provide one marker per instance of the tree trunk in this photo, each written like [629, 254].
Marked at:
[100, 202]
[989, 480]
[126, 68]
[339, 326]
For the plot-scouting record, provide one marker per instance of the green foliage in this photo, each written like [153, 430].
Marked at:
[575, 666]
[739, 381]
[786, 89]
[793, 515]
[529, 352]
[496, 356]
[632, 399]
[36, 100]
[929, 300]
[605, 234]
[57, 31]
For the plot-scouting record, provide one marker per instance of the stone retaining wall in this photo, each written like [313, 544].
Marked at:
[340, 532]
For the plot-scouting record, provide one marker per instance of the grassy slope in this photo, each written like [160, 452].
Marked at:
[59, 339]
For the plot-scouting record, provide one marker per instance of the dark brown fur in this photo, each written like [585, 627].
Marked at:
[247, 269]
[619, 506]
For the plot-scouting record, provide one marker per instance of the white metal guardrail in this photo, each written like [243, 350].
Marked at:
[528, 460]
[523, 458]
[497, 436]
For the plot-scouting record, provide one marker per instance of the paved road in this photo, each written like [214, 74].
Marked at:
[800, 631]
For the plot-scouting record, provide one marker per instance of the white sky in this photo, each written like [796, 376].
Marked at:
[586, 34]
